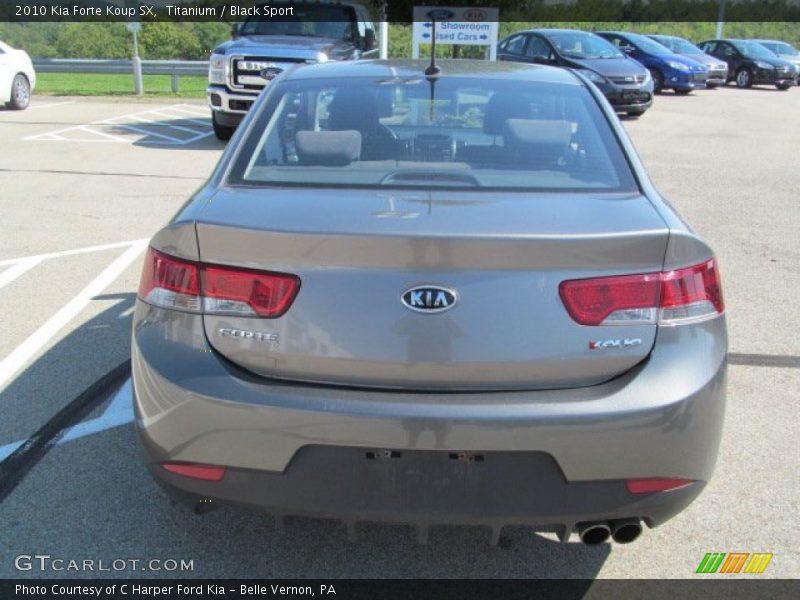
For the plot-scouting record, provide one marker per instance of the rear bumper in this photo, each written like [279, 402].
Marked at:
[550, 458]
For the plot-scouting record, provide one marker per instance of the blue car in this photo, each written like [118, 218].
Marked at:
[669, 70]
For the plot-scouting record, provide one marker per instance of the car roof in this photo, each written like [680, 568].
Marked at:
[458, 68]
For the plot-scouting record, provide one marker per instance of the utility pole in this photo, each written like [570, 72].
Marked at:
[384, 32]
[720, 19]
[138, 86]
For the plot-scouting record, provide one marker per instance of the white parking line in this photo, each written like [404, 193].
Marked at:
[18, 269]
[84, 250]
[153, 123]
[27, 349]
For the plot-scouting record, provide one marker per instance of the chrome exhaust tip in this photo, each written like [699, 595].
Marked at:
[624, 531]
[594, 533]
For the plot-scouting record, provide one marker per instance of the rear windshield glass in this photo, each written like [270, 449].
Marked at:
[456, 132]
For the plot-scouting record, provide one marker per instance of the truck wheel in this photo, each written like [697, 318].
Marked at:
[20, 92]
[223, 132]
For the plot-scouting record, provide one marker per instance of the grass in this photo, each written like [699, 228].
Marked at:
[98, 84]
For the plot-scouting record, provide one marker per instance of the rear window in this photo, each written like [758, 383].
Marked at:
[452, 133]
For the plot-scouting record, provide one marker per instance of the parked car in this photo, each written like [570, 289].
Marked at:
[750, 63]
[717, 69]
[17, 77]
[625, 83]
[784, 51]
[669, 70]
[443, 298]
[262, 48]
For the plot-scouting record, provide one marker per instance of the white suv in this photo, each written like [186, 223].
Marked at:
[17, 77]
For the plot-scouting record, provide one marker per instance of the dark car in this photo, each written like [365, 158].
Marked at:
[750, 63]
[625, 83]
[717, 68]
[784, 51]
[669, 70]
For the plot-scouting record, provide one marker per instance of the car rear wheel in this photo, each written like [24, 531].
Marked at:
[635, 113]
[744, 78]
[20, 92]
[223, 132]
[683, 91]
[658, 80]
[784, 86]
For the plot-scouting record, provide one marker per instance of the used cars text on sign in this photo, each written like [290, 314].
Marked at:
[464, 25]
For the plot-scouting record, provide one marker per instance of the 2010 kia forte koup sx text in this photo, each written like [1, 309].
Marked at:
[446, 298]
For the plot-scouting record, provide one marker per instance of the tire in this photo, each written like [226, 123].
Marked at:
[713, 86]
[635, 114]
[20, 92]
[223, 132]
[784, 86]
[658, 80]
[744, 78]
[683, 91]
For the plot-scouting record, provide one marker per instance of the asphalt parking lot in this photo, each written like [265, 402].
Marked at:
[85, 182]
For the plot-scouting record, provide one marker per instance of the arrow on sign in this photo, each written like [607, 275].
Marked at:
[426, 35]
[427, 25]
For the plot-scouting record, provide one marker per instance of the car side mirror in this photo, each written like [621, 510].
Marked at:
[235, 29]
[369, 39]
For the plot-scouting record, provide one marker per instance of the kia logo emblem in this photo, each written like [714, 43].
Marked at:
[429, 298]
[475, 14]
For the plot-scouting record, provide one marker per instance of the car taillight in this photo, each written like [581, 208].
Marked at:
[170, 282]
[671, 298]
[233, 291]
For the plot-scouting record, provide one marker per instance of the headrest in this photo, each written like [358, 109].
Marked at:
[328, 148]
[501, 107]
[538, 132]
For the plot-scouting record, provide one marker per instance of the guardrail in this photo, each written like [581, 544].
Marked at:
[174, 68]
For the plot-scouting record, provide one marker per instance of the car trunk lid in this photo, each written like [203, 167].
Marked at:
[501, 255]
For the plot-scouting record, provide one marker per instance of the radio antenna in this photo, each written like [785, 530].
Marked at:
[433, 69]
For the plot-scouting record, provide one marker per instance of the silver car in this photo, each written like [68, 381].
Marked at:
[432, 297]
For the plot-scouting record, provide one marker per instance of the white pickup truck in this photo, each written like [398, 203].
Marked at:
[17, 77]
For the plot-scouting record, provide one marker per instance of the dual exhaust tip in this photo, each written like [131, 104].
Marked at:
[622, 531]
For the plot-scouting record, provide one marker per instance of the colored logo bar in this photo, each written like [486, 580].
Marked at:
[734, 562]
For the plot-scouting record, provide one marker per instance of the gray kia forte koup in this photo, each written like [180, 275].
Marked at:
[429, 297]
